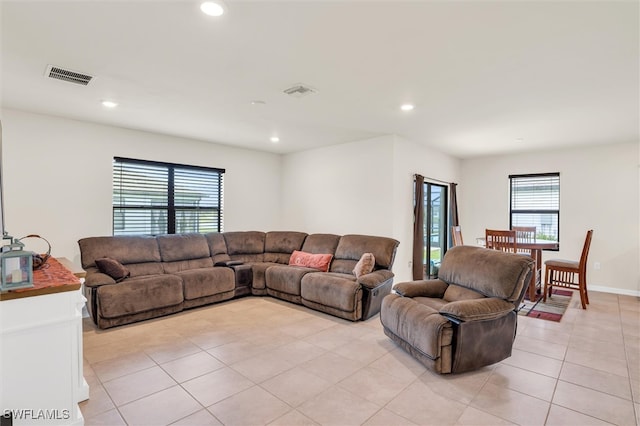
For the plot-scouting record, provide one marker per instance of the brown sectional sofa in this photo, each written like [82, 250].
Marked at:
[169, 273]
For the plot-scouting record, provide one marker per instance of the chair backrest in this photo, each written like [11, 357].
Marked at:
[585, 251]
[525, 233]
[501, 240]
[456, 236]
[489, 272]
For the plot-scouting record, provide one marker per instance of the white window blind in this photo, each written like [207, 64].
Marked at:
[535, 201]
[159, 198]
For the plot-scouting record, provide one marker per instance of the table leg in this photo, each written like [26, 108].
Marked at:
[533, 284]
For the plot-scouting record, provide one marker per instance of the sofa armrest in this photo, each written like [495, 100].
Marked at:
[375, 278]
[477, 309]
[97, 279]
[421, 288]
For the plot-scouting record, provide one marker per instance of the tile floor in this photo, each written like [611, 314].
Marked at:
[258, 361]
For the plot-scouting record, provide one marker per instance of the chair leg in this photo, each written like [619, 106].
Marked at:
[546, 284]
[584, 296]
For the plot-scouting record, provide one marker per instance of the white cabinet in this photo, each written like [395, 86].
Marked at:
[41, 374]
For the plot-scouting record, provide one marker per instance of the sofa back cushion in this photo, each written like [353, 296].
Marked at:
[278, 245]
[180, 252]
[140, 254]
[491, 273]
[246, 246]
[217, 247]
[321, 243]
[454, 293]
[351, 248]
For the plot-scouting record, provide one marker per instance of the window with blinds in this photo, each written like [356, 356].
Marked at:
[153, 198]
[535, 201]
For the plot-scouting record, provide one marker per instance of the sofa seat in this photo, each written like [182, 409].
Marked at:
[334, 293]
[259, 269]
[204, 282]
[138, 298]
[284, 281]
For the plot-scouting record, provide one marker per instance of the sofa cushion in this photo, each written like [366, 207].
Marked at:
[182, 252]
[174, 247]
[278, 245]
[124, 249]
[336, 290]
[432, 302]
[351, 247]
[259, 269]
[139, 295]
[421, 326]
[217, 247]
[308, 260]
[455, 292]
[365, 265]
[487, 308]
[492, 273]
[286, 279]
[321, 243]
[145, 268]
[113, 268]
[207, 282]
[246, 246]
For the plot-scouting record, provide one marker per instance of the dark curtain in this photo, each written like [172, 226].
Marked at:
[418, 229]
[455, 221]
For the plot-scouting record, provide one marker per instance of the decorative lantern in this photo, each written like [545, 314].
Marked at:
[15, 266]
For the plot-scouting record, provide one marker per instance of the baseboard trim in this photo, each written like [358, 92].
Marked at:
[622, 291]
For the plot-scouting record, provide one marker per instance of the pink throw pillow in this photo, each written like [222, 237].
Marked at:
[309, 260]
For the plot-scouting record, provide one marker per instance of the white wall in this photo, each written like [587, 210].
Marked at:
[361, 187]
[57, 177]
[340, 189]
[599, 190]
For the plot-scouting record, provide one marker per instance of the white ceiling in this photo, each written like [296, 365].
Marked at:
[486, 77]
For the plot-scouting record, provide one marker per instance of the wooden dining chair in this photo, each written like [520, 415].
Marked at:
[456, 236]
[569, 274]
[501, 240]
[527, 234]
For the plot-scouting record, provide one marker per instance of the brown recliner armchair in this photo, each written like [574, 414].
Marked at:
[466, 318]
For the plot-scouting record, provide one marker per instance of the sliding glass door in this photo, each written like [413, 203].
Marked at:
[435, 227]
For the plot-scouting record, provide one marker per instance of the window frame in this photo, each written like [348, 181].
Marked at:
[512, 179]
[171, 207]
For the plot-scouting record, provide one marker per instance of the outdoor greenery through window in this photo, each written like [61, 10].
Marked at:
[153, 198]
[535, 201]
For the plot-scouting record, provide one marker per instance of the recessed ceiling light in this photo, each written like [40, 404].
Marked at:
[109, 104]
[407, 107]
[212, 8]
[274, 139]
[258, 102]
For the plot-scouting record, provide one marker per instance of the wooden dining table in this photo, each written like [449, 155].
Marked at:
[536, 248]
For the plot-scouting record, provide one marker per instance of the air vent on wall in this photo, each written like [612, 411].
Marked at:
[67, 75]
[299, 90]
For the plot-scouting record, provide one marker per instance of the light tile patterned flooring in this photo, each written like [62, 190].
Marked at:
[258, 361]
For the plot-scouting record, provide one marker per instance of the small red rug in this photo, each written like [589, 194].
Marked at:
[551, 310]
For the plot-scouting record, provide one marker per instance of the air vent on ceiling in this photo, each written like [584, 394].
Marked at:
[67, 75]
[299, 90]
